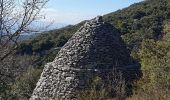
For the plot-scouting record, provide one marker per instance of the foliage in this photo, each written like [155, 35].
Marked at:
[155, 61]
[102, 88]
[24, 84]
[97, 91]
[140, 21]
[13, 67]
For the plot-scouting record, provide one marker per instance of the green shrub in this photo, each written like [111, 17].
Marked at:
[24, 84]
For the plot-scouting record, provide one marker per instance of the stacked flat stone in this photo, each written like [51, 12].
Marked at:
[90, 50]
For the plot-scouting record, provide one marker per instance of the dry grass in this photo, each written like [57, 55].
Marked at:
[110, 88]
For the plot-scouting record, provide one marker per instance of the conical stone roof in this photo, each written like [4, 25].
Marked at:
[96, 46]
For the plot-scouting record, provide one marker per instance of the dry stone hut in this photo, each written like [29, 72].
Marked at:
[94, 48]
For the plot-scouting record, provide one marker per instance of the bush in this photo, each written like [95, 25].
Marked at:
[102, 88]
[155, 63]
[24, 85]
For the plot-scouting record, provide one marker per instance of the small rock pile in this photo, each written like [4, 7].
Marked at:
[96, 46]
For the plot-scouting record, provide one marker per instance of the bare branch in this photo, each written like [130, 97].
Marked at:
[16, 17]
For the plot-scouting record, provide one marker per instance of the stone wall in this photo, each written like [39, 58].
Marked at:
[95, 47]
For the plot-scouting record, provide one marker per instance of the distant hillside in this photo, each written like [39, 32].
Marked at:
[53, 26]
[141, 21]
[28, 36]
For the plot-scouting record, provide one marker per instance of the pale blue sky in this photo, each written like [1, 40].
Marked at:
[74, 11]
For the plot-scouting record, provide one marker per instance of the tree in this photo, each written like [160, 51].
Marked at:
[16, 18]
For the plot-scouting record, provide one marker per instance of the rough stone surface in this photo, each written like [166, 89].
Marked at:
[92, 49]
